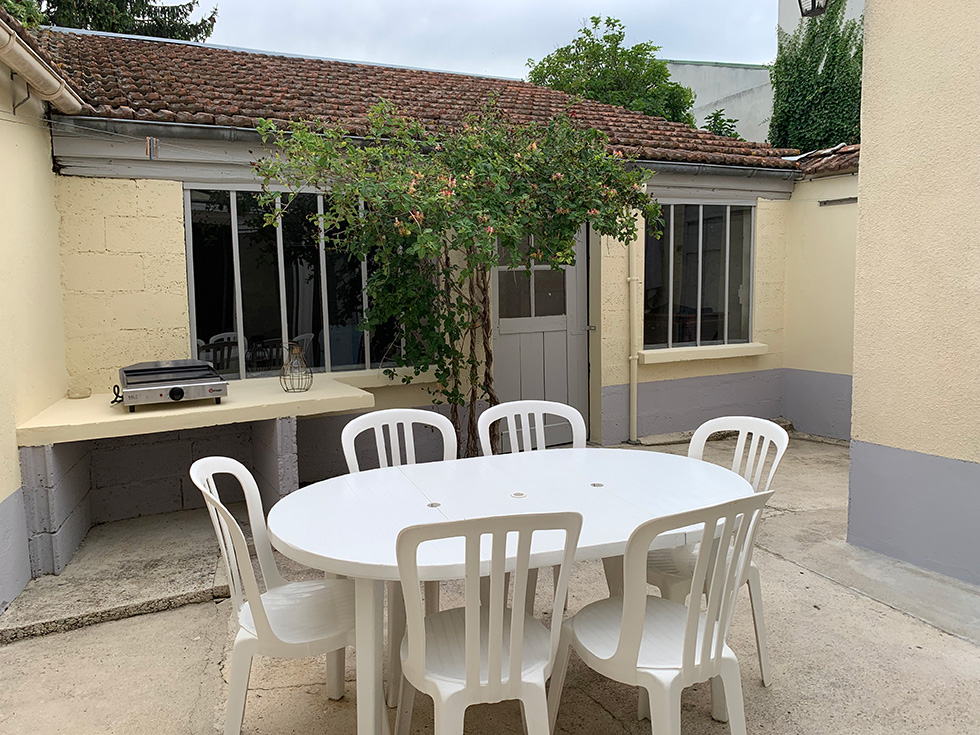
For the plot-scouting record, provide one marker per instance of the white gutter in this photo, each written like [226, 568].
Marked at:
[43, 81]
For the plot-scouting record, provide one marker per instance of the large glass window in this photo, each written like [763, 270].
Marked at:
[256, 287]
[697, 276]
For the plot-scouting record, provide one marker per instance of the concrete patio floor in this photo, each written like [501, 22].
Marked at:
[858, 643]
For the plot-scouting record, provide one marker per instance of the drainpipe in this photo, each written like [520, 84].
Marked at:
[43, 81]
[633, 283]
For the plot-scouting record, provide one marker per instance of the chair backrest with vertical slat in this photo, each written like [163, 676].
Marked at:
[486, 674]
[757, 439]
[242, 582]
[393, 435]
[526, 424]
[733, 525]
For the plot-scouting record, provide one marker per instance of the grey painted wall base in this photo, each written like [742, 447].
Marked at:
[817, 403]
[916, 507]
[15, 562]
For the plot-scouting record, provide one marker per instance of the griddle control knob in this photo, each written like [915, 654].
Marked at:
[176, 394]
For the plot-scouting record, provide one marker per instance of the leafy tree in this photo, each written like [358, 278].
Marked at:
[718, 124]
[432, 214]
[26, 11]
[138, 17]
[816, 82]
[598, 67]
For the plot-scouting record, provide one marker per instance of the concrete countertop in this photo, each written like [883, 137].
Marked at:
[254, 399]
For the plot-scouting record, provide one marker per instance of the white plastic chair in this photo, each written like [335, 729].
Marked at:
[484, 651]
[289, 619]
[393, 435]
[663, 646]
[759, 443]
[524, 433]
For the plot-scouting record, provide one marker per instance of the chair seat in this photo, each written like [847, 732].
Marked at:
[596, 628]
[303, 612]
[445, 645]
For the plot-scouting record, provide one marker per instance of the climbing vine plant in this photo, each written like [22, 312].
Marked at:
[432, 212]
[816, 82]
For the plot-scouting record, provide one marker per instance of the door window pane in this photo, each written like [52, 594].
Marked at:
[304, 298]
[214, 278]
[713, 274]
[514, 299]
[686, 230]
[261, 316]
[549, 292]
[656, 283]
[739, 274]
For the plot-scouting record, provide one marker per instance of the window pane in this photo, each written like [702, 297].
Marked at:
[713, 275]
[685, 228]
[304, 300]
[656, 283]
[344, 308]
[740, 273]
[214, 279]
[260, 288]
[514, 299]
[549, 292]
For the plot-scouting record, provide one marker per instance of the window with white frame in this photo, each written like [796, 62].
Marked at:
[255, 287]
[697, 276]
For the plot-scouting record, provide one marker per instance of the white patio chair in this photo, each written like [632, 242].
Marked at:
[484, 651]
[526, 424]
[760, 443]
[289, 619]
[525, 421]
[394, 440]
[662, 646]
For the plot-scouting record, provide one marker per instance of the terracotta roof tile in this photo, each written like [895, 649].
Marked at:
[839, 159]
[153, 80]
[29, 39]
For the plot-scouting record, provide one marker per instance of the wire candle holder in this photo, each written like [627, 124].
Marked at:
[295, 375]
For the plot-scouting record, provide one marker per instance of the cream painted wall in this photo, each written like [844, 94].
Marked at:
[123, 274]
[32, 372]
[819, 326]
[917, 289]
[767, 306]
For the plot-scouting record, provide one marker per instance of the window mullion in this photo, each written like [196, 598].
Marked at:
[237, 263]
[697, 326]
[364, 305]
[325, 304]
[281, 260]
[727, 271]
[189, 249]
[670, 282]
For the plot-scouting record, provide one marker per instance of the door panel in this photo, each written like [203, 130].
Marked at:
[541, 338]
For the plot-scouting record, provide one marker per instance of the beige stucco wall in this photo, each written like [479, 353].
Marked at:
[917, 290]
[32, 372]
[124, 276]
[767, 306]
[819, 325]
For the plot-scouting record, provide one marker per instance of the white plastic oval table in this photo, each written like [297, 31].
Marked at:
[348, 525]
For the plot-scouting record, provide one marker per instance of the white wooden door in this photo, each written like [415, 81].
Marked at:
[540, 336]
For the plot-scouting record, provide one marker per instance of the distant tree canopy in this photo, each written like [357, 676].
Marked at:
[598, 67]
[816, 82]
[26, 11]
[718, 124]
[137, 17]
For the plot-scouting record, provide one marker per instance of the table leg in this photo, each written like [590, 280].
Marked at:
[369, 636]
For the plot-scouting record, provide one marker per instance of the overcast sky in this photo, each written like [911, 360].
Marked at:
[495, 37]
